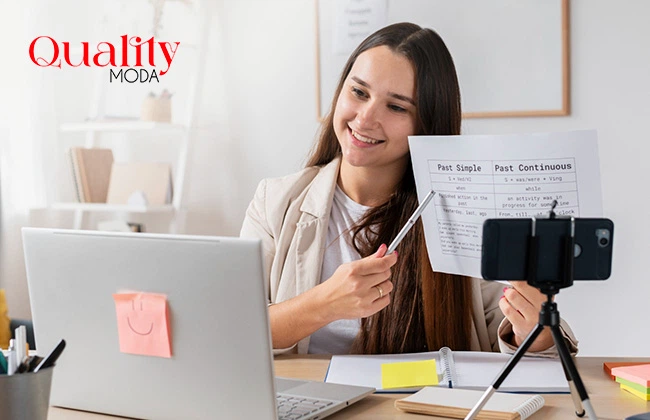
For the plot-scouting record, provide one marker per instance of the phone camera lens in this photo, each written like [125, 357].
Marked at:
[603, 236]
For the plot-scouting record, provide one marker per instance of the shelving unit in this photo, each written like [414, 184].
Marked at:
[97, 123]
[168, 208]
[134, 125]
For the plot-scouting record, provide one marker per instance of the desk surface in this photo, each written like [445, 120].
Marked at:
[608, 400]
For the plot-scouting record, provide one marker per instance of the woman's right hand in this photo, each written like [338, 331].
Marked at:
[360, 288]
[350, 293]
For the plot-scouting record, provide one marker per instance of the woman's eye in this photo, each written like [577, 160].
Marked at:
[396, 108]
[358, 92]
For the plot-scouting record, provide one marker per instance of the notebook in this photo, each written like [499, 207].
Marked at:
[459, 369]
[92, 171]
[213, 323]
[457, 403]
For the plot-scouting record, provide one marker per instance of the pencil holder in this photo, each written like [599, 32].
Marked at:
[25, 395]
[156, 109]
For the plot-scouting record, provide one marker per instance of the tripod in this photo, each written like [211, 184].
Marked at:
[548, 316]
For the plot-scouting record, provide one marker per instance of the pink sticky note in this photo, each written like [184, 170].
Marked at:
[143, 324]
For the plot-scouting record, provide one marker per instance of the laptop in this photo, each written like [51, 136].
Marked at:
[221, 360]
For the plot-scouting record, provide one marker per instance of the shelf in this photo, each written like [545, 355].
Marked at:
[167, 208]
[127, 125]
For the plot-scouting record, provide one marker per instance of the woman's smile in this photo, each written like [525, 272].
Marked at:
[360, 140]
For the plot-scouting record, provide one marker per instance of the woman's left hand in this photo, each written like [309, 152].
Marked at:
[521, 304]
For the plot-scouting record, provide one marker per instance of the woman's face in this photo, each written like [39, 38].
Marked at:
[375, 111]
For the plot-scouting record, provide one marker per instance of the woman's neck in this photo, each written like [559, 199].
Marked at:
[370, 187]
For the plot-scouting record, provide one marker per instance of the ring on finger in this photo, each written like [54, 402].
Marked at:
[379, 289]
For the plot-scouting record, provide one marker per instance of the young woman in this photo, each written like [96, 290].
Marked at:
[332, 289]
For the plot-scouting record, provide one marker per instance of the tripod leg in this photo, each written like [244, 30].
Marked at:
[576, 381]
[577, 403]
[505, 371]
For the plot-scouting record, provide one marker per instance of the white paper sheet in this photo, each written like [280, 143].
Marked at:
[478, 177]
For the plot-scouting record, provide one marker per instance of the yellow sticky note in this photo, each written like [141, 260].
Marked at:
[634, 392]
[143, 324]
[409, 374]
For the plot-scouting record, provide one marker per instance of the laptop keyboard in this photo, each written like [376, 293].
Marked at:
[295, 408]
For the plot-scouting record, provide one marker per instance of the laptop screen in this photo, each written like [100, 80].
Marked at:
[209, 295]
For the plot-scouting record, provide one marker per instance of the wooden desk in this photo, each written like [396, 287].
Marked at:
[608, 400]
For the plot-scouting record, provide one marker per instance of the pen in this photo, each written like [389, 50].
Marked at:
[410, 222]
[33, 362]
[24, 366]
[50, 359]
[11, 358]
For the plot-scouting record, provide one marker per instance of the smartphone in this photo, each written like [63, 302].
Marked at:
[506, 243]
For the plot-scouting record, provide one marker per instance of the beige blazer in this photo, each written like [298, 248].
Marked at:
[291, 215]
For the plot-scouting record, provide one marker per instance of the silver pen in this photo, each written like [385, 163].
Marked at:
[410, 222]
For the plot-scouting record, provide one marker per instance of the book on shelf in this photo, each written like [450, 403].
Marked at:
[457, 403]
[76, 177]
[140, 184]
[455, 369]
[91, 169]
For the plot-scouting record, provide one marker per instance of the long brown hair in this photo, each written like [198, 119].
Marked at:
[428, 309]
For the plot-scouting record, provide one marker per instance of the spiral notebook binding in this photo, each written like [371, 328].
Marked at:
[533, 404]
[448, 367]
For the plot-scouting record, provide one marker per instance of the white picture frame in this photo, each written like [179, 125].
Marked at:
[511, 56]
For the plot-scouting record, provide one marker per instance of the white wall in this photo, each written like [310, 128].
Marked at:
[271, 82]
[260, 107]
[610, 91]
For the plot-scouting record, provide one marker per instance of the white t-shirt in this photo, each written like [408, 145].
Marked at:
[337, 337]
